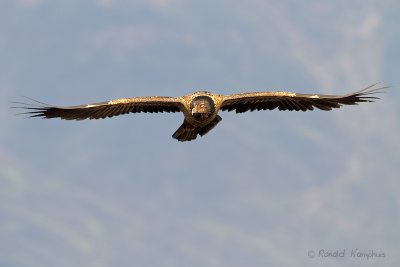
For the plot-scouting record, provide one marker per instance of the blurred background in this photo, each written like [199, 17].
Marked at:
[261, 189]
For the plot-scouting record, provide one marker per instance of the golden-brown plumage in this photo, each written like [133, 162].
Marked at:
[201, 109]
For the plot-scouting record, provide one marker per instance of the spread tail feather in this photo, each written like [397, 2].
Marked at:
[203, 130]
[187, 132]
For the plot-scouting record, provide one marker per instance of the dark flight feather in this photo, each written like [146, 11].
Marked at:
[103, 110]
[293, 101]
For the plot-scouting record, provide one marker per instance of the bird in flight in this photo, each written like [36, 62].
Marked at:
[200, 109]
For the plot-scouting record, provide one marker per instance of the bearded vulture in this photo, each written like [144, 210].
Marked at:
[200, 109]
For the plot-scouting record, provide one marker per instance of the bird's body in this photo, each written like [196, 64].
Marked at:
[200, 109]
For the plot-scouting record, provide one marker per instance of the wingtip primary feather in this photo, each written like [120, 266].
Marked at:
[367, 94]
[35, 109]
[371, 90]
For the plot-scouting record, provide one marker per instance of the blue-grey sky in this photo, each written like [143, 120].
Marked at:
[261, 189]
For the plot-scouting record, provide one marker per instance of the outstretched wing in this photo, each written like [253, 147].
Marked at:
[103, 110]
[294, 101]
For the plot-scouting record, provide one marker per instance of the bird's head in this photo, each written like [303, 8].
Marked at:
[202, 107]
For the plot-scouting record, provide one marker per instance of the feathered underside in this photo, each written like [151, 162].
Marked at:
[294, 101]
[103, 110]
